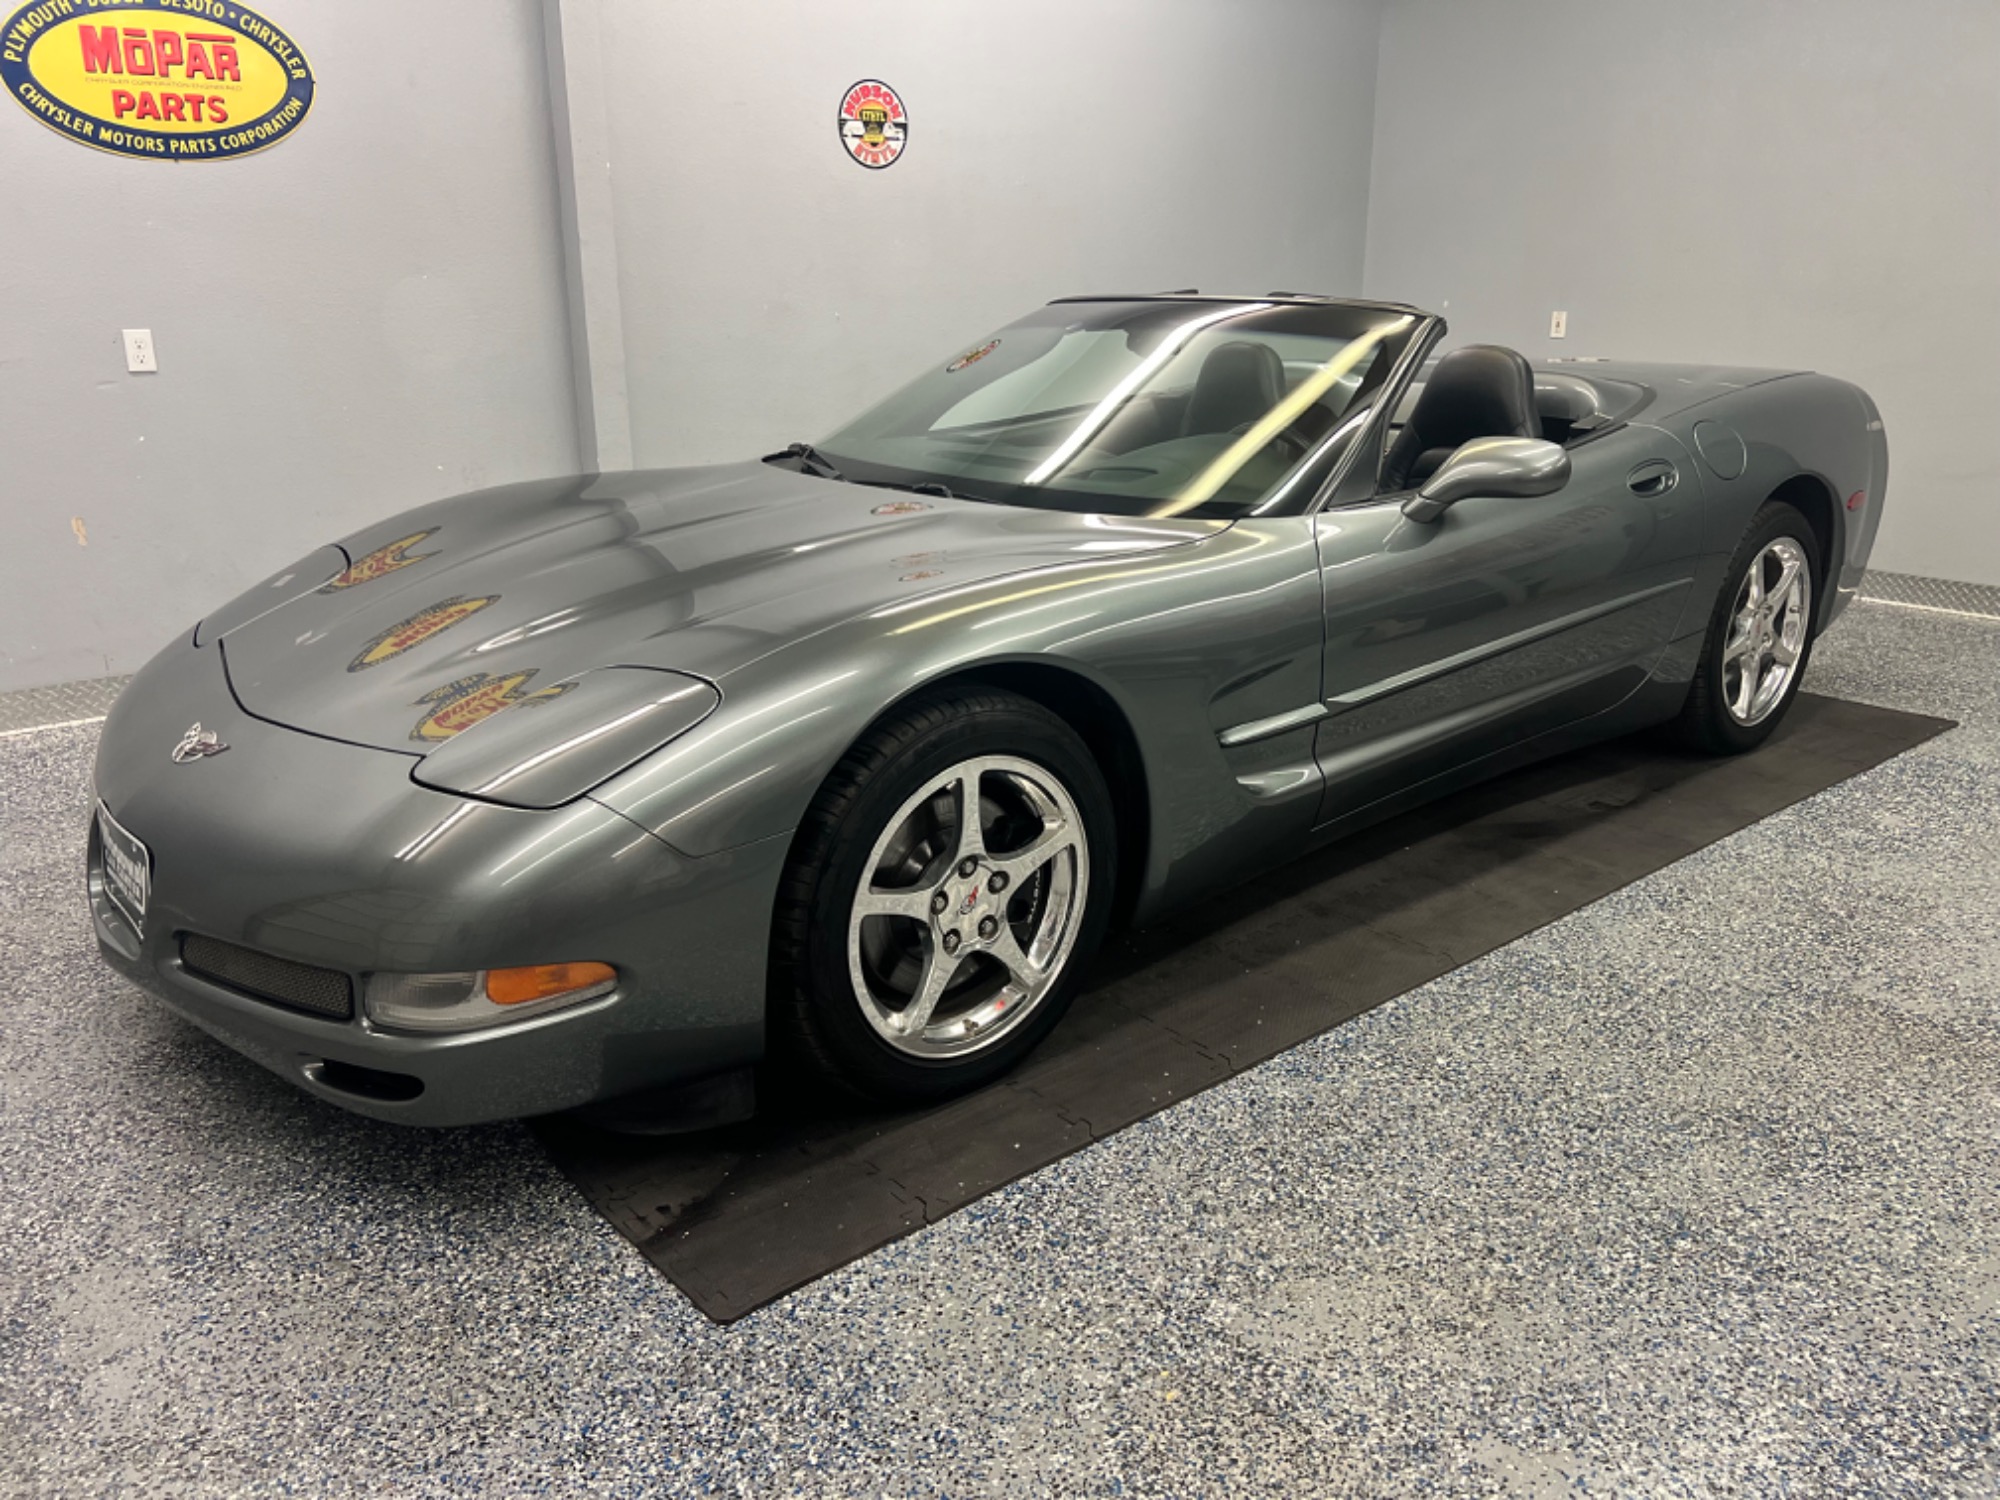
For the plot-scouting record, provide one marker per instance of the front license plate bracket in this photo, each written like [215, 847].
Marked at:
[128, 870]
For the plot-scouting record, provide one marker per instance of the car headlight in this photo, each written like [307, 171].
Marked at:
[472, 998]
[553, 746]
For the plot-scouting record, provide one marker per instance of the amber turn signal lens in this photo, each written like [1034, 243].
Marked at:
[543, 981]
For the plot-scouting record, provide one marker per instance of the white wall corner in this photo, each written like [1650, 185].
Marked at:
[571, 33]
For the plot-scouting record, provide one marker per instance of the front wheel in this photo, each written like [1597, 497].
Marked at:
[1759, 637]
[945, 892]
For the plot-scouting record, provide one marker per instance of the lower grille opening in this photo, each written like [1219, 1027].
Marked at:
[366, 1083]
[319, 992]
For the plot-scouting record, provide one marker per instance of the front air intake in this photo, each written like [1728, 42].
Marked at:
[319, 992]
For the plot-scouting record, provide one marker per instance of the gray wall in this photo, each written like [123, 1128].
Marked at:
[365, 316]
[1794, 182]
[404, 298]
[771, 286]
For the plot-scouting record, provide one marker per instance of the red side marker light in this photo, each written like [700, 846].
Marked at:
[1858, 499]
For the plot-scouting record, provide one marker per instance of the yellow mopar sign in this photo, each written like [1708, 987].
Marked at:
[177, 79]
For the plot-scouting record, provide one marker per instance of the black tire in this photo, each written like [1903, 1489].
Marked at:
[1706, 722]
[817, 1017]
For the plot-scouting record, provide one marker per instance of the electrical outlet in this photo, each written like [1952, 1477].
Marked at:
[1558, 325]
[139, 356]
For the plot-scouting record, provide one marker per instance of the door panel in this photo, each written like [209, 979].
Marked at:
[1505, 618]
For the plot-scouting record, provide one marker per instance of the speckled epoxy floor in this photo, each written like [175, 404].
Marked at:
[1694, 1192]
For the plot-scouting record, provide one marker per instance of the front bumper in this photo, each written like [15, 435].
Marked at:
[327, 854]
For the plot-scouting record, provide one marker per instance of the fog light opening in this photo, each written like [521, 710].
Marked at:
[365, 1083]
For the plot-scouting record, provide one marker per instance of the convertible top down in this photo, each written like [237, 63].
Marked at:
[586, 788]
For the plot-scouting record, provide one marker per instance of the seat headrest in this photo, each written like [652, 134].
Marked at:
[1482, 390]
[1479, 391]
[1238, 382]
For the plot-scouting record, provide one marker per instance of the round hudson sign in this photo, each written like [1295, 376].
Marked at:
[180, 80]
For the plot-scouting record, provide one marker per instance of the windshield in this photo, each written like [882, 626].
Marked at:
[1136, 408]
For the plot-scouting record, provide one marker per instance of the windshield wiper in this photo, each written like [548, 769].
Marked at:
[921, 487]
[810, 459]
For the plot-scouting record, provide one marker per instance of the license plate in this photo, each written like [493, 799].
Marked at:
[128, 869]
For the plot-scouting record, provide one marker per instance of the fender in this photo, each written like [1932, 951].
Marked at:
[750, 771]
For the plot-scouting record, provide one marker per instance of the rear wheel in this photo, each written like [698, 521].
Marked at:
[1759, 637]
[944, 894]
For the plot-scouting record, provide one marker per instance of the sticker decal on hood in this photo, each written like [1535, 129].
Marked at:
[382, 560]
[461, 704]
[419, 628]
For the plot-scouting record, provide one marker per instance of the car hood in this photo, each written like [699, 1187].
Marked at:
[448, 613]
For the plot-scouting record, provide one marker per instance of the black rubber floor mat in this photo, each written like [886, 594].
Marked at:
[740, 1216]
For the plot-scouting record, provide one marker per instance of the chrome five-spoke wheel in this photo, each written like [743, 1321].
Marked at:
[1769, 622]
[969, 907]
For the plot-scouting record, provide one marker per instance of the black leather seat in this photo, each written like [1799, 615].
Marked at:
[1482, 390]
[1238, 382]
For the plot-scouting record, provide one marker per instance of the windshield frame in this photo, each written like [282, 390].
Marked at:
[1318, 474]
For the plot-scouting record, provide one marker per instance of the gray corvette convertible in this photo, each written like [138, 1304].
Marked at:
[574, 790]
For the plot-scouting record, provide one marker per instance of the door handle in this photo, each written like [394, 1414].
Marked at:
[1653, 478]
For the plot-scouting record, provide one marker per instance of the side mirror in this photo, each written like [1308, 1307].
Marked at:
[1491, 466]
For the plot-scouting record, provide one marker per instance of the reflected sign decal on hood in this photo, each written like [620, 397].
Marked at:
[177, 80]
[461, 704]
[972, 356]
[419, 628]
[382, 560]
